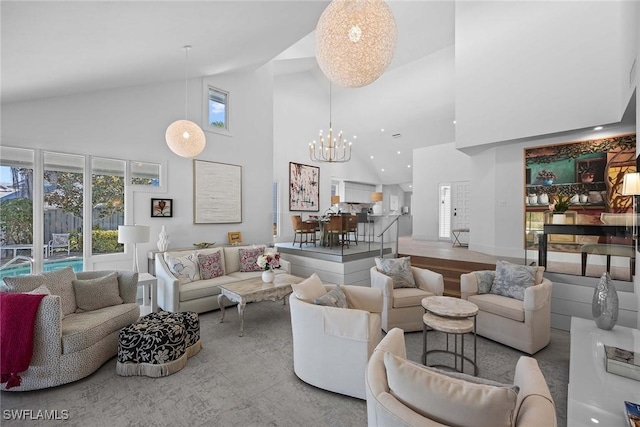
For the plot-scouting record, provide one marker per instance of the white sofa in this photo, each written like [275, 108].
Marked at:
[331, 346]
[202, 295]
[524, 325]
[403, 306]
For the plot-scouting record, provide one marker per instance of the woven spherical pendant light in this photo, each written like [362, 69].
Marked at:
[185, 138]
[355, 40]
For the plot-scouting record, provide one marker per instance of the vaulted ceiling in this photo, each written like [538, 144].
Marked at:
[55, 48]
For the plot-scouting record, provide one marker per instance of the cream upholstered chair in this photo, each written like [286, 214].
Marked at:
[331, 345]
[402, 307]
[403, 393]
[522, 324]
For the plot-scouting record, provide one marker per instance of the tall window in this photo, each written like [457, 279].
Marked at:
[218, 117]
[107, 194]
[444, 229]
[63, 195]
[16, 201]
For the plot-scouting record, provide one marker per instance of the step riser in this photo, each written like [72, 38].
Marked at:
[450, 270]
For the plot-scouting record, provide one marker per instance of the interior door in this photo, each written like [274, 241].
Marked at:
[460, 207]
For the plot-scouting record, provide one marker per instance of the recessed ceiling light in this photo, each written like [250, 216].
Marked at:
[355, 137]
[381, 130]
[454, 122]
[595, 421]
[408, 166]
[382, 170]
[398, 152]
[410, 186]
[372, 157]
[597, 128]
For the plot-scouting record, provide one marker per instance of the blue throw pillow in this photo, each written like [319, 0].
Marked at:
[512, 279]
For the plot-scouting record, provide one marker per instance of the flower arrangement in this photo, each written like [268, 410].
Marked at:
[545, 175]
[269, 261]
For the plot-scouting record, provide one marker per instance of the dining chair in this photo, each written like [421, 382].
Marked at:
[303, 229]
[336, 230]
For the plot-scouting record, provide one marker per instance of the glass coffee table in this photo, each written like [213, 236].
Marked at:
[255, 290]
[453, 316]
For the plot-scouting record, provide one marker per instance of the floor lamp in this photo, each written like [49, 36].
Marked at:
[133, 234]
[631, 187]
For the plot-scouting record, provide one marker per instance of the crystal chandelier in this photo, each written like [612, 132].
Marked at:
[355, 41]
[184, 137]
[334, 149]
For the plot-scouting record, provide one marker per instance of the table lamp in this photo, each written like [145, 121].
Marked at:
[376, 197]
[133, 234]
[631, 187]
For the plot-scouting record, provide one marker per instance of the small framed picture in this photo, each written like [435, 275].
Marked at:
[235, 237]
[161, 208]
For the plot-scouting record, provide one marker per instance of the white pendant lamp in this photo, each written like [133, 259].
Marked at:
[355, 41]
[184, 137]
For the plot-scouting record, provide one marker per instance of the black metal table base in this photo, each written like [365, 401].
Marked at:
[456, 356]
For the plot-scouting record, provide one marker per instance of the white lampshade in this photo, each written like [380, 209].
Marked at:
[133, 233]
[631, 184]
[185, 138]
[355, 41]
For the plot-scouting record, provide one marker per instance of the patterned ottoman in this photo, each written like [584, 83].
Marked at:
[158, 344]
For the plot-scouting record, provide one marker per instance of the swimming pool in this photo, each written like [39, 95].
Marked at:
[24, 269]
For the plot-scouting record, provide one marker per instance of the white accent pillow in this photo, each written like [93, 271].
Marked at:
[185, 268]
[447, 400]
[309, 289]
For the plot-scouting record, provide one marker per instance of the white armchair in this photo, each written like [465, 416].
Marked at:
[402, 307]
[331, 346]
[524, 325]
[60, 241]
[402, 393]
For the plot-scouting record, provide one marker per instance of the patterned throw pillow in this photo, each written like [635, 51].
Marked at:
[185, 268]
[60, 282]
[334, 298]
[249, 258]
[485, 280]
[512, 279]
[399, 269]
[93, 294]
[210, 265]
[23, 284]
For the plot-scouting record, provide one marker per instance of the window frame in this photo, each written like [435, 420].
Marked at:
[206, 87]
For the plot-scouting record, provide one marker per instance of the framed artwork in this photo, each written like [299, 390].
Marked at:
[161, 208]
[234, 237]
[304, 187]
[217, 193]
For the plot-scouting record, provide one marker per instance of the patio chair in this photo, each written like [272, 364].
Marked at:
[59, 241]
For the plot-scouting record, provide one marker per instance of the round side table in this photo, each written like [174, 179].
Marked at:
[451, 316]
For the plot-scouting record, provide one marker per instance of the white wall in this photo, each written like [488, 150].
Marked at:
[535, 68]
[130, 124]
[301, 109]
[432, 166]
